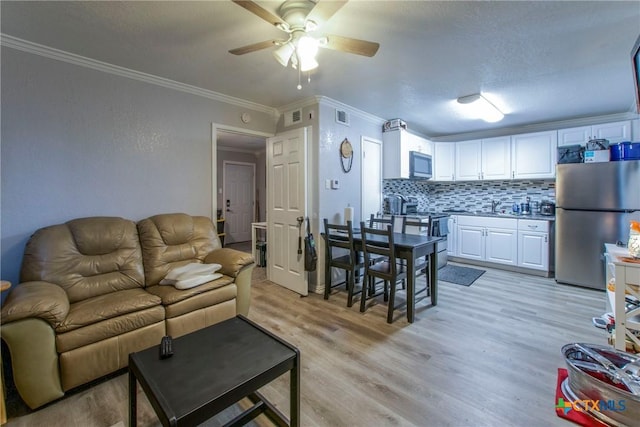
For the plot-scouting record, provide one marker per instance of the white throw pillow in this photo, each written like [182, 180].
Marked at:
[188, 271]
[196, 281]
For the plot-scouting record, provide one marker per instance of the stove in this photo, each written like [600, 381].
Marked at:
[439, 227]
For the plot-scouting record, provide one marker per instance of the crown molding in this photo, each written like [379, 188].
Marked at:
[60, 55]
[537, 127]
[324, 100]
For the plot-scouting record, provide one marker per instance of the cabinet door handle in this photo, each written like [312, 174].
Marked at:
[545, 238]
[532, 226]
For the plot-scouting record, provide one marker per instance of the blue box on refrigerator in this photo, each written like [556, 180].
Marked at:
[616, 152]
[625, 151]
[631, 150]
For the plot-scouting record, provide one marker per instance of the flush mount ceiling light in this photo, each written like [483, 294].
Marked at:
[479, 106]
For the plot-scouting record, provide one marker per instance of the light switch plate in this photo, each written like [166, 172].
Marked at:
[335, 184]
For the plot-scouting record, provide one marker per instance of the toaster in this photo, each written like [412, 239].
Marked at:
[547, 208]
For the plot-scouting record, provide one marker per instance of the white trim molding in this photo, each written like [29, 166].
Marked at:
[60, 55]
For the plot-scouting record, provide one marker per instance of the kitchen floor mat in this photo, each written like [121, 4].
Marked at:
[464, 276]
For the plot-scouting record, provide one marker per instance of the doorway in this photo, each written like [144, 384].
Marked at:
[371, 177]
[287, 208]
[243, 146]
[239, 202]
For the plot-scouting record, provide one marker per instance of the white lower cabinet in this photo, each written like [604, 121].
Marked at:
[452, 238]
[488, 239]
[507, 241]
[533, 244]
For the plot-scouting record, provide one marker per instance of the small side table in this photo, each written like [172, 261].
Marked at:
[4, 285]
[255, 226]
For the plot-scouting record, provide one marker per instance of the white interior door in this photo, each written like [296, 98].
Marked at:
[239, 183]
[371, 177]
[286, 202]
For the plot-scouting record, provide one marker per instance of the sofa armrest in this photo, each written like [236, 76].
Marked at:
[231, 260]
[36, 299]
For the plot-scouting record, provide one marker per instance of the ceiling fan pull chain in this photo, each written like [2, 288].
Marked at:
[299, 84]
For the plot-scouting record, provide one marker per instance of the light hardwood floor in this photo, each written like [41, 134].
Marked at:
[487, 355]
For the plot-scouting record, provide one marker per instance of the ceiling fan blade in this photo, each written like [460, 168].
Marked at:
[324, 10]
[349, 45]
[260, 11]
[253, 47]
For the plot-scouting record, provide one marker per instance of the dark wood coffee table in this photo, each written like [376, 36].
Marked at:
[212, 369]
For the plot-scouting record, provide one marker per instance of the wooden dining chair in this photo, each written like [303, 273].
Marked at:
[415, 225]
[340, 253]
[381, 223]
[386, 267]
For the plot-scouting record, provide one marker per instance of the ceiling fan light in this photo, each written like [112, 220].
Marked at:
[479, 106]
[283, 54]
[308, 64]
[307, 47]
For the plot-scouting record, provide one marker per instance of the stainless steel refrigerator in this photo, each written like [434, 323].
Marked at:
[594, 204]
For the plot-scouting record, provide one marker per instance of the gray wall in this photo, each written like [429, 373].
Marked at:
[332, 133]
[78, 142]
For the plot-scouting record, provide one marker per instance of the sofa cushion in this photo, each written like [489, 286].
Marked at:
[212, 297]
[109, 306]
[170, 295]
[114, 327]
[87, 257]
[173, 240]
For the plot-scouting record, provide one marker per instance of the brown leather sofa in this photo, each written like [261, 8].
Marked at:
[90, 295]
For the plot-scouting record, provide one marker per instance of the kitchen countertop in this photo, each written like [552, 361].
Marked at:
[423, 215]
[505, 215]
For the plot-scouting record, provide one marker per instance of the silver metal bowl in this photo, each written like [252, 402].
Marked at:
[608, 376]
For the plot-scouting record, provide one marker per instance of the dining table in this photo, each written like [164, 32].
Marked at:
[410, 247]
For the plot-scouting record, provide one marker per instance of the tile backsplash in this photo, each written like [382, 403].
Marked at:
[471, 195]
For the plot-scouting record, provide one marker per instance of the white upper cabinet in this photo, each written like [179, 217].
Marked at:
[483, 159]
[396, 147]
[613, 132]
[444, 161]
[573, 136]
[496, 158]
[468, 160]
[533, 155]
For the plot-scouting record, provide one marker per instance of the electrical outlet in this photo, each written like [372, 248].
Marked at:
[327, 184]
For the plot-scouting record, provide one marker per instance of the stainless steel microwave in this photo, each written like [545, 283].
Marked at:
[420, 165]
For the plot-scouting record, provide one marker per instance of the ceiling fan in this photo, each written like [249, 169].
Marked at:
[299, 18]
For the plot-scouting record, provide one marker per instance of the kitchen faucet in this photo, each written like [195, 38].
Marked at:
[494, 205]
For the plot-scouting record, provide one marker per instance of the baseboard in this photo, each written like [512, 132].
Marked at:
[515, 269]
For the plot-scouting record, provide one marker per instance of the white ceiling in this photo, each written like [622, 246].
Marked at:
[539, 61]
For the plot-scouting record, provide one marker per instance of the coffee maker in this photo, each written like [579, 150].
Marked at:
[392, 204]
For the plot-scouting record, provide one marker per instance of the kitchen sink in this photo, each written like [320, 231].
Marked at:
[495, 213]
